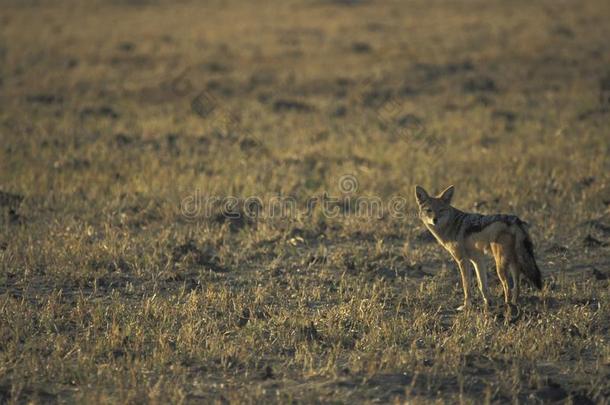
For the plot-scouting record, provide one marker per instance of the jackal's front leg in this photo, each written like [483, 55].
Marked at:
[465, 273]
[481, 273]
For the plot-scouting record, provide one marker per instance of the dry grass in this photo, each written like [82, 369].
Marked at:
[118, 116]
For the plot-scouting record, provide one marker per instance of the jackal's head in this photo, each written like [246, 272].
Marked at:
[434, 211]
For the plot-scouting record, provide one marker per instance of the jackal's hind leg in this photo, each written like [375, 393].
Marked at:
[501, 269]
[516, 276]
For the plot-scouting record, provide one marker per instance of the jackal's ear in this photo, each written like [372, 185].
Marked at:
[447, 194]
[420, 194]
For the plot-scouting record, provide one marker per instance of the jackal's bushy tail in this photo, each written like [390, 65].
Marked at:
[525, 256]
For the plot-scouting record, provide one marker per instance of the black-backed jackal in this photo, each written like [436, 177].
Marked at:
[468, 236]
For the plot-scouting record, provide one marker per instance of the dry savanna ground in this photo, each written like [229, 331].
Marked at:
[144, 144]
